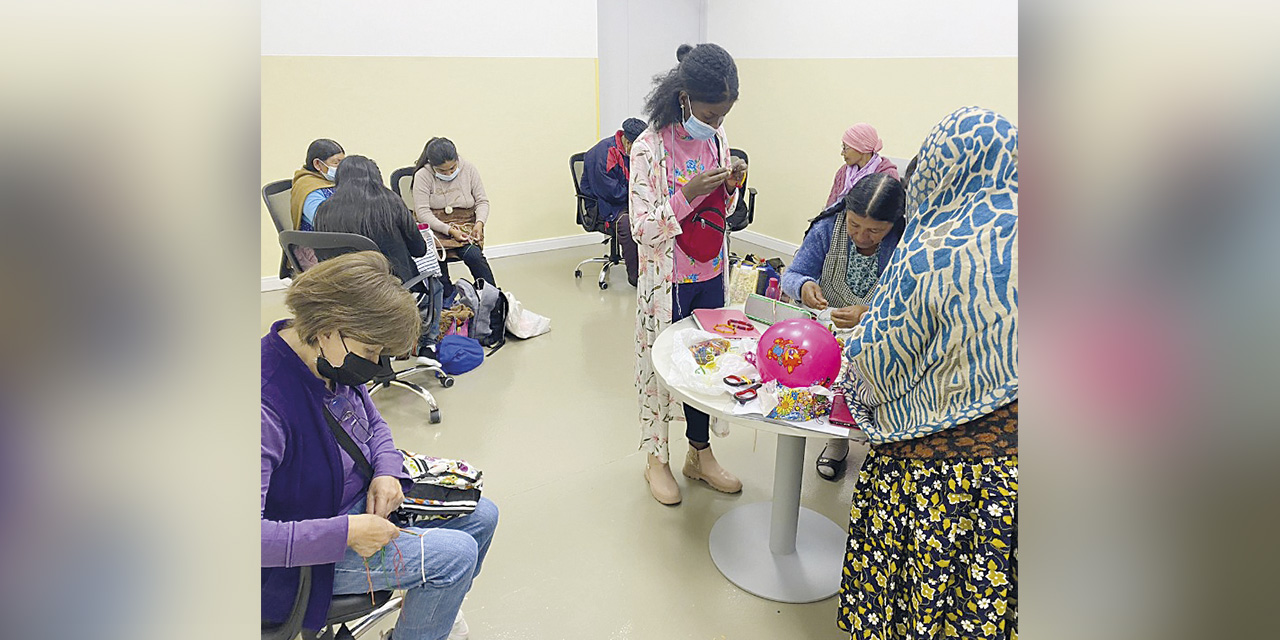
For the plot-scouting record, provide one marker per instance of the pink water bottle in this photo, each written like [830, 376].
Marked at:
[772, 291]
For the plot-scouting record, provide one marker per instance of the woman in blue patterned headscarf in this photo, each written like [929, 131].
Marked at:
[932, 374]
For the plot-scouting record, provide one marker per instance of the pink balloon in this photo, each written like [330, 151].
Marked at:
[798, 353]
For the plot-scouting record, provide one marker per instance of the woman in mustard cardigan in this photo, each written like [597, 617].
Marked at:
[313, 183]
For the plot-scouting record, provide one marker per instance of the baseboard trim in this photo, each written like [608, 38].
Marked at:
[546, 244]
[272, 283]
[768, 242]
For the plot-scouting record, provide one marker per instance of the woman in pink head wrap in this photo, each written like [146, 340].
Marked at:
[860, 146]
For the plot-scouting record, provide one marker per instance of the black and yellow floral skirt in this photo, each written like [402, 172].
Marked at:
[933, 538]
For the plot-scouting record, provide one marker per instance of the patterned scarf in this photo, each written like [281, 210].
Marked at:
[834, 280]
[617, 157]
[939, 346]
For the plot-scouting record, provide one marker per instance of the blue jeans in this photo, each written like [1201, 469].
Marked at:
[685, 297]
[436, 570]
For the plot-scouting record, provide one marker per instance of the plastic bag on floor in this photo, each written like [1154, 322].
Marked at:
[523, 323]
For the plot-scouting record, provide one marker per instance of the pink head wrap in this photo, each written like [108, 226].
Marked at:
[863, 138]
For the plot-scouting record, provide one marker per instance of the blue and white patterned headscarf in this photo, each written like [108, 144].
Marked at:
[939, 346]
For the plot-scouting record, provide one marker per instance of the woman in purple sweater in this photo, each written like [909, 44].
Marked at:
[320, 507]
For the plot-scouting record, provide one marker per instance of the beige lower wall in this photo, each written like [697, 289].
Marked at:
[791, 113]
[517, 119]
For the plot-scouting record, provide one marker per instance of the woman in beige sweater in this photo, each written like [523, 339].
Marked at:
[449, 197]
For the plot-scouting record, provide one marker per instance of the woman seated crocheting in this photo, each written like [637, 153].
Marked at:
[839, 264]
[449, 196]
[331, 474]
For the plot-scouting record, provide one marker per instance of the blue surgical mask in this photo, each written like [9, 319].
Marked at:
[697, 128]
[447, 178]
[331, 173]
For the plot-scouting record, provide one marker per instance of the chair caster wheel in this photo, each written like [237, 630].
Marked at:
[604, 285]
[446, 382]
[578, 274]
[435, 416]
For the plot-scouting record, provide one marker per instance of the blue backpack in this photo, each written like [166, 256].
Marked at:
[459, 354]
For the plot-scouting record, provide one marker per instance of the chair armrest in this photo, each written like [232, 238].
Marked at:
[585, 203]
[289, 629]
[412, 282]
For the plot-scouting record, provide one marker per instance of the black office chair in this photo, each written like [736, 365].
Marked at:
[745, 214]
[276, 196]
[351, 616]
[362, 609]
[291, 627]
[327, 245]
[589, 218]
[402, 184]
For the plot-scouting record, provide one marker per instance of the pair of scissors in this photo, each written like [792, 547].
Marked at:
[748, 391]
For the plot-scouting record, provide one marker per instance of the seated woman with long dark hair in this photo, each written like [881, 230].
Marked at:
[362, 204]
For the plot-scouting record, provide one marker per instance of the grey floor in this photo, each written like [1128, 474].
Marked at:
[582, 550]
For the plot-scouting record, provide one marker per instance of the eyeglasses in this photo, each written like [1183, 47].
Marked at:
[350, 419]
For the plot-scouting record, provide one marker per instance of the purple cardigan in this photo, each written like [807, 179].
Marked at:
[308, 482]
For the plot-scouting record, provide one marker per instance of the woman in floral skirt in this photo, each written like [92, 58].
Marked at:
[932, 374]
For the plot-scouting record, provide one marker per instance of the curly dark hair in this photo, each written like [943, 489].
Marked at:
[706, 72]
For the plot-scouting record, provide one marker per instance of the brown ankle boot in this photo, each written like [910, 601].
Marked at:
[661, 483]
[700, 464]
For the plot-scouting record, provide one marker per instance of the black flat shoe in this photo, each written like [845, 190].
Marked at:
[831, 468]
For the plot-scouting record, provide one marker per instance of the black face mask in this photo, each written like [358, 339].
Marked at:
[355, 371]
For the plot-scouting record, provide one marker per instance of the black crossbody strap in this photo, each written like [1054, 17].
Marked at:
[348, 445]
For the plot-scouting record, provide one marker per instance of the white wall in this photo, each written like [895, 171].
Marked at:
[638, 40]
[442, 28]
[865, 28]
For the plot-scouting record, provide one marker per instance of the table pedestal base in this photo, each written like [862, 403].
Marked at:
[740, 550]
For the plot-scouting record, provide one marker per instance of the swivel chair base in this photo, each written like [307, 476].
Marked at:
[604, 270]
[423, 365]
[614, 257]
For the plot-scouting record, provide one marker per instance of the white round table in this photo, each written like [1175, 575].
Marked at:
[776, 550]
